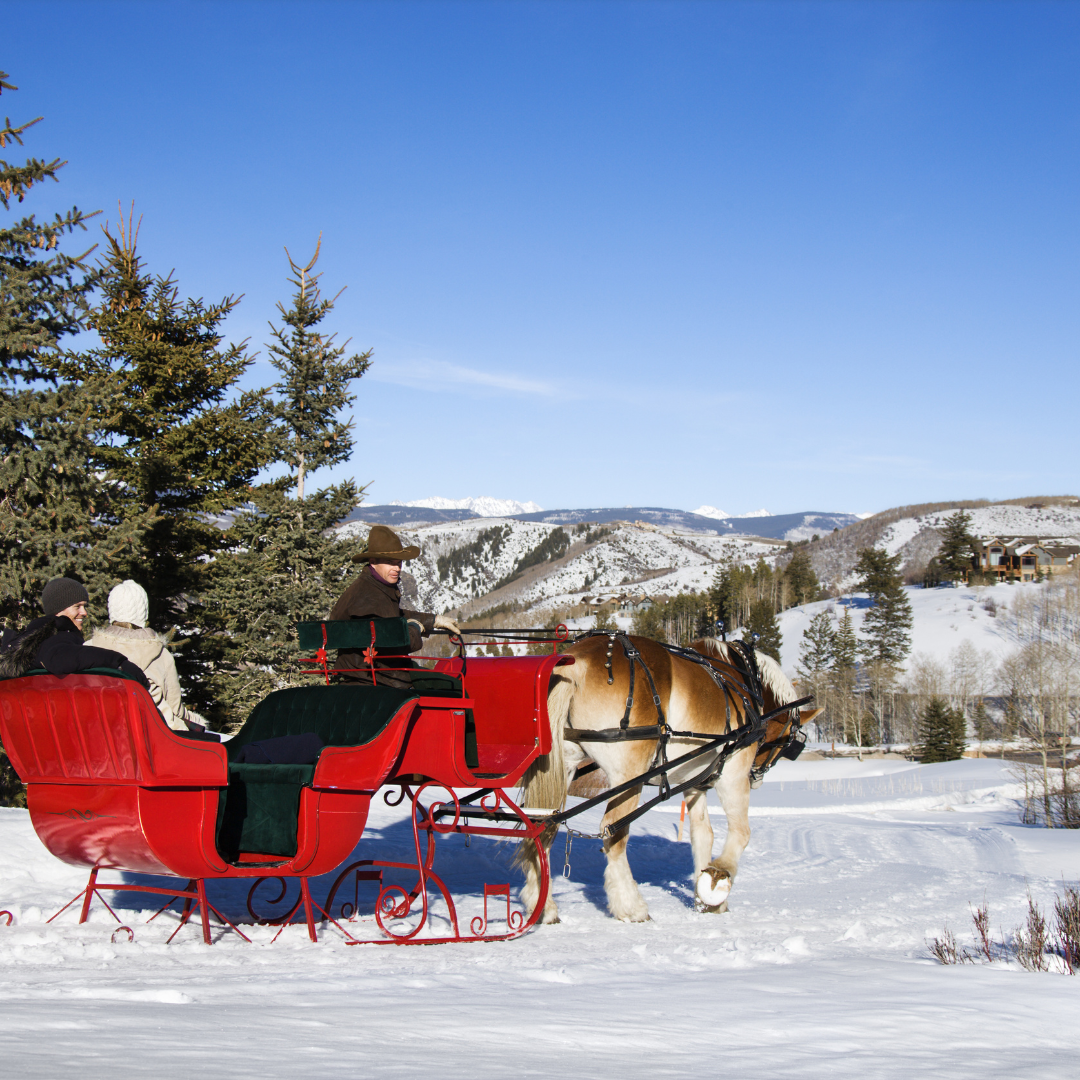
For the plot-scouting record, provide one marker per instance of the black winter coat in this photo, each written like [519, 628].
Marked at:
[63, 651]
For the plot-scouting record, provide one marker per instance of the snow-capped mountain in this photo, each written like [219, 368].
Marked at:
[485, 506]
[721, 515]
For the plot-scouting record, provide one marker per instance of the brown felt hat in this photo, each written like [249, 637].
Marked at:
[383, 543]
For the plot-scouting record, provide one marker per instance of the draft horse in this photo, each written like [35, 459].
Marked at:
[732, 699]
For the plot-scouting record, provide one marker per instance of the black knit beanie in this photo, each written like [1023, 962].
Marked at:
[61, 593]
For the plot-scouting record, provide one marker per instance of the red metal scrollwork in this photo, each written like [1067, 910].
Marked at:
[494, 815]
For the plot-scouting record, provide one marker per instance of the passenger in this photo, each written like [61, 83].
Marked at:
[55, 640]
[128, 633]
[375, 595]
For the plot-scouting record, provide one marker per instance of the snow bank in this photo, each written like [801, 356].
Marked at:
[819, 970]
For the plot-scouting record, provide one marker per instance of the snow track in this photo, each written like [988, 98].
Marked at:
[819, 970]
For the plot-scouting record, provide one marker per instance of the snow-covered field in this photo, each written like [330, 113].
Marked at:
[819, 970]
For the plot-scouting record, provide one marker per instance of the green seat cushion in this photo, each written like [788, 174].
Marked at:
[343, 714]
[354, 633]
[259, 810]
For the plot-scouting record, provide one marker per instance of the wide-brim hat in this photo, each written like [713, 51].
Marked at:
[383, 543]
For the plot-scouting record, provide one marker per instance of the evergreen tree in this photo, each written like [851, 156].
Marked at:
[43, 291]
[887, 624]
[172, 434]
[942, 734]
[815, 660]
[283, 566]
[762, 622]
[984, 729]
[283, 563]
[802, 583]
[957, 547]
[846, 707]
[845, 645]
[56, 516]
[816, 652]
[316, 380]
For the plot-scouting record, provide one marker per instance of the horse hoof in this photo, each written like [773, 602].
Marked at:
[704, 909]
[713, 887]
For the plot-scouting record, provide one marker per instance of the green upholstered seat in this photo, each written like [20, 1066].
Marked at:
[343, 714]
[354, 633]
[258, 812]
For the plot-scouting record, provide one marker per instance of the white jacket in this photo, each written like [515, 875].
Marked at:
[146, 647]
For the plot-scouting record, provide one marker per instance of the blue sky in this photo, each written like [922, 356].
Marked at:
[795, 255]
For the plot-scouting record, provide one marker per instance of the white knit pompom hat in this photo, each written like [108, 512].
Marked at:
[128, 603]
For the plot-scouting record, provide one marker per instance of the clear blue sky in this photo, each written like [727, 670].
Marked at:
[794, 255]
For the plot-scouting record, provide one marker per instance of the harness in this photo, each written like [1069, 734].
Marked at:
[748, 689]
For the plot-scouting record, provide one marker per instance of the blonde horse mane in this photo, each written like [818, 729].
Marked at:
[772, 675]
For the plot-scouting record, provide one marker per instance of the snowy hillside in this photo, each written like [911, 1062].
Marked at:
[916, 537]
[943, 618]
[820, 969]
[463, 561]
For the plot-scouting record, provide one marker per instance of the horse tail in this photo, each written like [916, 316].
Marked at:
[544, 784]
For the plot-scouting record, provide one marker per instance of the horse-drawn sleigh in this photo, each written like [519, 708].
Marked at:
[112, 788]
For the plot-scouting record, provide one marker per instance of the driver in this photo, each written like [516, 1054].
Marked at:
[375, 595]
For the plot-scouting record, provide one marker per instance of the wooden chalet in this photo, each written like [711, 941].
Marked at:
[1024, 558]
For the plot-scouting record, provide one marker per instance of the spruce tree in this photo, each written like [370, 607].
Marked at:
[762, 622]
[845, 645]
[816, 652]
[284, 564]
[175, 436]
[316, 382]
[942, 734]
[847, 709]
[887, 625]
[815, 660]
[802, 582]
[984, 728]
[957, 547]
[56, 516]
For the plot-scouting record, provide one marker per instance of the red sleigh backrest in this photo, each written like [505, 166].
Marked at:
[510, 696]
[99, 729]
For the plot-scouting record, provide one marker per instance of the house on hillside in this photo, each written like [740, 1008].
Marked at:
[1024, 558]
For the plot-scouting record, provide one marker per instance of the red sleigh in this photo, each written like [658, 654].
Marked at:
[111, 787]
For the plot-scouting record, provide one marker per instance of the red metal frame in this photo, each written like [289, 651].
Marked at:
[110, 786]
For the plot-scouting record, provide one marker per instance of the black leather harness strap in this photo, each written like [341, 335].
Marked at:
[750, 694]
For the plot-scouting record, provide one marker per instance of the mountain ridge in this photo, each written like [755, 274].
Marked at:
[797, 526]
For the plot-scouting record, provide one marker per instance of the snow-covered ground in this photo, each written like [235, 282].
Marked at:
[819, 970]
[942, 619]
